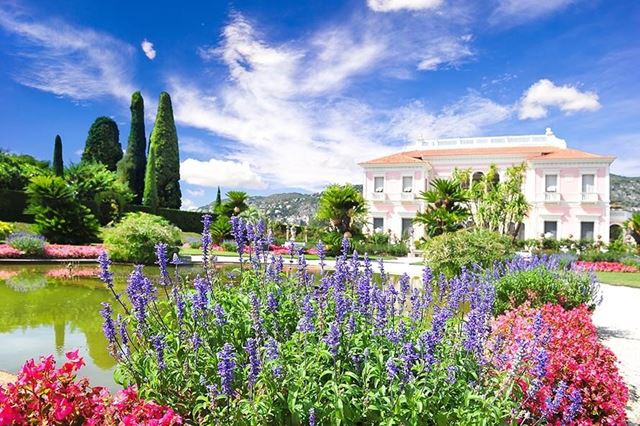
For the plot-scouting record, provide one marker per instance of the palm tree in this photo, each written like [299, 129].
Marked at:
[343, 206]
[633, 225]
[446, 211]
[235, 204]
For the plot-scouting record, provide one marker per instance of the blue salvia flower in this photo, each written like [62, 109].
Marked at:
[158, 345]
[219, 315]
[122, 326]
[196, 341]
[574, 407]
[416, 307]
[272, 303]
[256, 319]
[379, 298]
[200, 300]
[161, 256]
[404, 291]
[180, 305]
[292, 249]
[451, 373]
[392, 369]
[206, 241]
[332, 339]
[302, 273]
[108, 326]
[238, 230]
[175, 260]
[553, 404]
[141, 292]
[272, 353]
[351, 324]
[321, 254]
[305, 324]
[251, 347]
[363, 291]
[105, 273]
[539, 371]
[226, 368]
[345, 246]
[408, 357]
[342, 305]
[312, 417]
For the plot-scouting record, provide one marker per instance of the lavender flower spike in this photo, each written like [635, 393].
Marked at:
[254, 360]
[226, 368]
[108, 327]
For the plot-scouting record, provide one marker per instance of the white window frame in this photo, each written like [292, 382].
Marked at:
[593, 221]
[384, 183]
[595, 179]
[557, 221]
[413, 181]
[555, 173]
[373, 220]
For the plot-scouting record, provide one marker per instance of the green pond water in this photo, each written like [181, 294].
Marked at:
[52, 309]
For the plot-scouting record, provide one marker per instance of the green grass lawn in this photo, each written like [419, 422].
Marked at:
[629, 279]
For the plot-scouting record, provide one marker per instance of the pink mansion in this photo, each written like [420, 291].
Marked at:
[567, 189]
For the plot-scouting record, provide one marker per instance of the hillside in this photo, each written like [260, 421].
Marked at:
[625, 191]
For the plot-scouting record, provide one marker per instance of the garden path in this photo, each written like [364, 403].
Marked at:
[618, 325]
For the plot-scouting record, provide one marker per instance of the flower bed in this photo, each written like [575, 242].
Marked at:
[603, 266]
[54, 251]
[574, 378]
[43, 394]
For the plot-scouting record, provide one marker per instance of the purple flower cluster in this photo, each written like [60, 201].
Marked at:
[226, 368]
[332, 339]
[108, 326]
[251, 347]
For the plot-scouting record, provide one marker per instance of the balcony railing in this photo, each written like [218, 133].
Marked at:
[378, 196]
[407, 196]
[589, 197]
[552, 197]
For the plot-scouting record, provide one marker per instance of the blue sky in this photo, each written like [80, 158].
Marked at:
[290, 95]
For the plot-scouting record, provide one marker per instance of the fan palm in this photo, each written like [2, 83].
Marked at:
[633, 225]
[445, 211]
[342, 206]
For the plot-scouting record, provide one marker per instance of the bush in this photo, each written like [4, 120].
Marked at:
[27, 243]
[600, 256]
[43, 395]
[17, 170]
[562, 347]
[387, 249]
[187, 221]
[58, 214]
[229, 246]
[272, 348]
[5, 229]
[450, 252]
[12, 206]
[134, 238]
[539, 281]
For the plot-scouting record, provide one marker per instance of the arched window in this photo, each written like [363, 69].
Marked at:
[615, 232]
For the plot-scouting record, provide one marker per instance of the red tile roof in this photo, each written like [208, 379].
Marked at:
[536, 153]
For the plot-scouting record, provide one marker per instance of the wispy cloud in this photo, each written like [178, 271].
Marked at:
[75, 62]
[295, 128]
[396, 5]
[544, 94]
[512, 12]
[147, 48]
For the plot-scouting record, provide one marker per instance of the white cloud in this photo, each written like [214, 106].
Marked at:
[544, 94]
[148, 49]
[396, 5]
[195, 192]
[626, 167]
[215, 173]
[188, 204]
[518, 11]
[190, 145]
[448, 51]
[288, 110]
[68, 61]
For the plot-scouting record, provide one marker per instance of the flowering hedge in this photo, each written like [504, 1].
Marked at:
[55, 251]
[279, 348]
[604, 266]
[574, 378]
[43, 395]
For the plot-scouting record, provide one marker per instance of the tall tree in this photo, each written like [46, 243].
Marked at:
[218, 202]
[150, 196]
[131, 169]
[164, 141]
[58, 166]
[103, 143]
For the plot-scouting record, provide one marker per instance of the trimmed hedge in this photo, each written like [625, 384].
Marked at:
[185, 220]
[12, 206]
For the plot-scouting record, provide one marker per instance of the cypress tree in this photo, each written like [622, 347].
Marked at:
[131, 169]
[103, 143]
[218, 203]
[58, 166]
[150, 197]
[164, 140]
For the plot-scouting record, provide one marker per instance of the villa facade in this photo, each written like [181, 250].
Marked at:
[567, 189]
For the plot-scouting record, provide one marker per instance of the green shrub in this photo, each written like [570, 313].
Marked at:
[594, 255]
[57, 213]
[631, 261]
[550, 244]
[545, 283]
[12, 206]
[450, 252]
[229, 246]
[134, 238]
[187, 221]
[28, 243]
[5, 229]
[383, 249]
[17, 170]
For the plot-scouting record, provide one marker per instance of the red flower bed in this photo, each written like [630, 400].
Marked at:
[604, 266]
[56, 251]
[43, 394]
[575, 358]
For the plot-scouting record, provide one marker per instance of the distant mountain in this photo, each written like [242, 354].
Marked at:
[625, 191]
[293, 207]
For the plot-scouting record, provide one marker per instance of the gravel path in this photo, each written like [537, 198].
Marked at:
[618, 325]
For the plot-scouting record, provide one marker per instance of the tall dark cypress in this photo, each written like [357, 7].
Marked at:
[103, 143]
[131, 169]
[164, 143]
[218, 203]
[58, 165]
